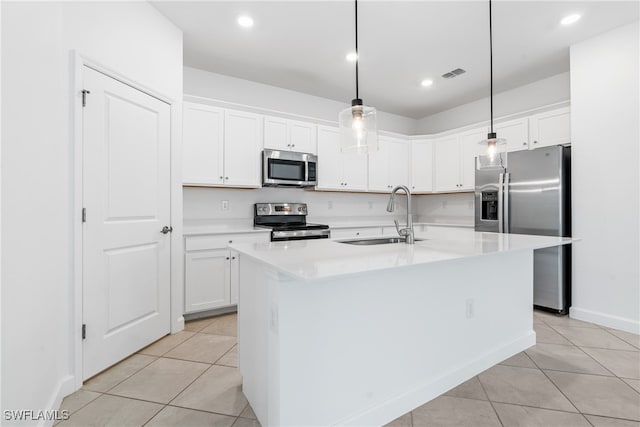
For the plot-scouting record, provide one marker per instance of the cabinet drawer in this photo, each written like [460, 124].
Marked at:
[342, 233]
[220, 241]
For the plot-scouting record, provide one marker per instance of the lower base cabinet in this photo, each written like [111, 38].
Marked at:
[211, 280]
[211, 270]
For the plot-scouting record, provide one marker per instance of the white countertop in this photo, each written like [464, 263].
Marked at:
[317, 259]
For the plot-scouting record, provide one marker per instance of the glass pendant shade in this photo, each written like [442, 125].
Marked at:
[358, 132]
[493, 154]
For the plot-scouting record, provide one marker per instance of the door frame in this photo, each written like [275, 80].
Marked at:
[78, 62]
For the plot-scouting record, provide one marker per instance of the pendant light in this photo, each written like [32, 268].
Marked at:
[358, 132]
[494, 149]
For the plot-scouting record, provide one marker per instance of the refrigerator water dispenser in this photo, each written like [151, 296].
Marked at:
[489, 206]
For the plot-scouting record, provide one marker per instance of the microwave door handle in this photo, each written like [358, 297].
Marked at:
[500, 202]
[306, 171]
[507, 225]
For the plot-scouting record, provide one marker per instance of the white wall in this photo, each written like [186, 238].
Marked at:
[37, 268]
[538, 94]
[244, 92]
[446, 208]
[605, 116]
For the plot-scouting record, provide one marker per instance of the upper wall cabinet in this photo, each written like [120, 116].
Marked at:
[221, 147]
[422, 166]
[455, 161]
[338, 170]
[516, 132]
[388, 166]
[202, 145]
[289, 135]
[550, 128]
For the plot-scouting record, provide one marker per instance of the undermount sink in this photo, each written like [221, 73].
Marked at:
[380, 241]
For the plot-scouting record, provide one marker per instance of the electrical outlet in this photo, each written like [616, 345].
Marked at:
[224, 205]
[330, 205]
[370, 205]
[471, 309]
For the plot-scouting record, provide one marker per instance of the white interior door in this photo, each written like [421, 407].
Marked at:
[126, 184]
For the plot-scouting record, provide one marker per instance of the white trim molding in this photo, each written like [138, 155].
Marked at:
[607, 320]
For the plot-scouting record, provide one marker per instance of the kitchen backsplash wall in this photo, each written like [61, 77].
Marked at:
[206, 205]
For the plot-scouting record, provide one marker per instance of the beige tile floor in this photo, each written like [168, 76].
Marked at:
[578, 374]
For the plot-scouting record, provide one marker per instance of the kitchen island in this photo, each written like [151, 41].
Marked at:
[338, 334]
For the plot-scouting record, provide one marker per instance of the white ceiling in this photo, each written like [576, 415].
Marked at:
[301, 45]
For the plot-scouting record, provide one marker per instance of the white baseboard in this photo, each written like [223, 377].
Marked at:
[607, 320]
[426, 392]
[66, 386]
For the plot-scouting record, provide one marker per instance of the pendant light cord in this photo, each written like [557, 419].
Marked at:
[357, 56]
[491, 64]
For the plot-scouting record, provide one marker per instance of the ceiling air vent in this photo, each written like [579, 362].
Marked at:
[453, 73]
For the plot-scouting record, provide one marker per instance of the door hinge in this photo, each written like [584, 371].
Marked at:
[84, 331]
[84, 97]
[84, 214]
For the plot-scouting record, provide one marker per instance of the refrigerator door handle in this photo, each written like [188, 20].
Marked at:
[500, 202]
[507, 227]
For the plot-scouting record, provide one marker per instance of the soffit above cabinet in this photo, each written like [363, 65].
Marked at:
[301, 45]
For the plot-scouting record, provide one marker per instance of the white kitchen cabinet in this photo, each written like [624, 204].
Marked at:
[289, 135]
[516, 132]
[550, 128]
[203, 145]
[388, 166]
[221, 147]
[355, 232]
[242, 149]
[454, 159]
[446, 159]
[211, 270]
[339, 170]
[421, 166]
[207, 280]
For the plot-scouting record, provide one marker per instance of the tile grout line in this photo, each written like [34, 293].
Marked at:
[554, 384]
[589, 346]
[489, 399]
[127, 377]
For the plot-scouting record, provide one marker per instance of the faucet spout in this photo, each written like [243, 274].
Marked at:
[406, 232]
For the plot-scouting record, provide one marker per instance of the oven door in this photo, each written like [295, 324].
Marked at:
[288, 169]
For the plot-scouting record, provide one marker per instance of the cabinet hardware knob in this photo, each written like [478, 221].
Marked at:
[535, 142]
[166, 230]
[230, 241]
[226, 177]
[221, 177]
[227, 257]
[358, 233]
[524, 143]
[293, 145]
[233, 257]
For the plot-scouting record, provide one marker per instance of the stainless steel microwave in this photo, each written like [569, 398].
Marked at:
[288, 169]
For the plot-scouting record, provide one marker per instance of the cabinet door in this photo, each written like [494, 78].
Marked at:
[302, 137]
[206, 281]
[516, 132]
[234, 279]
[242, 149]
[421, 166]
[550, 128]
[398, 159]
[276, 134]
[354, 171]
[329, 159]
[379, 167]
[202, 146]
[470, 148]
[446, 160]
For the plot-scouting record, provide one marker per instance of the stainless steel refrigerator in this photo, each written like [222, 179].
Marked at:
[532, 195]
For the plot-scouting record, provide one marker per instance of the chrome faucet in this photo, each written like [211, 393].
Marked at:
[406, 232]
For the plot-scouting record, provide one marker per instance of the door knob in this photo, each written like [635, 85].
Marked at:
[166, 230]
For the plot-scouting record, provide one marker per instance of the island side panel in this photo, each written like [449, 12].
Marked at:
[258, 342]
[364, 349]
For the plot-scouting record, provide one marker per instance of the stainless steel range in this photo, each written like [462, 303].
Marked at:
[288, 221]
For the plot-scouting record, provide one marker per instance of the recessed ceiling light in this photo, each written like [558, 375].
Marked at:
[426, 83]
[352, 57]
[570, 19]
[245, 21]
